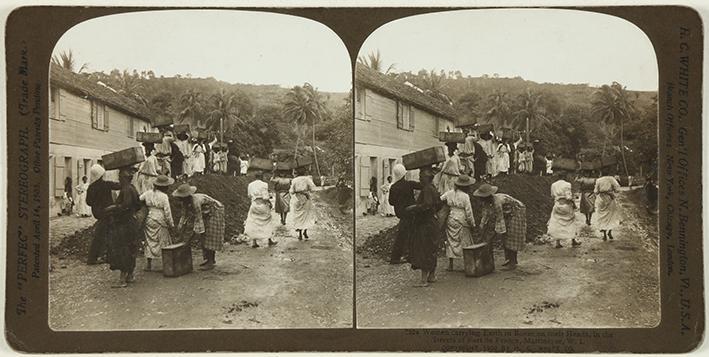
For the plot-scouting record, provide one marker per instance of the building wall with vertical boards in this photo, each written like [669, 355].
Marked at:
[386, 128]
[81, 130]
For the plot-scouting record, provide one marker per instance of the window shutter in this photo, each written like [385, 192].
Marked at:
[364, 174]
[105, 117]
[94, 115]
[399, 115]
[411, 118]
[58, 176]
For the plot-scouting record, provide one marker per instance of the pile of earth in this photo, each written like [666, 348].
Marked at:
[533, 191]
[339, 196]
[229, 190]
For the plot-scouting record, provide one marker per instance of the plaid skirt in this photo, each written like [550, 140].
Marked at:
[516, 224]
[214, 229]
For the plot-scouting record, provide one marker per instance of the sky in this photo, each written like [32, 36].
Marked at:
[232, 46]
[542, 45]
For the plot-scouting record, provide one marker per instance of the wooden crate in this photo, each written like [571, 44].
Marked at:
[564, 164]
[260, 164]
[181, 128]
[591, 165]
[162, 120]
[145, 137]
[285, 165]
[450, 137]
[127, 157]
[478, 260]
[609, 161]
[176, 259]
[303, 161]
[484, 128]
[423, 158]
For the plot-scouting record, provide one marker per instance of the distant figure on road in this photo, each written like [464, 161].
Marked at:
[562, 222]
[281, 184]
[608, 212]
[258, 221]
[302, 204]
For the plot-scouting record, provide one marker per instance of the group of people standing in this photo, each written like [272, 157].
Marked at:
[442, 211]
[181, 156]
[141, 215]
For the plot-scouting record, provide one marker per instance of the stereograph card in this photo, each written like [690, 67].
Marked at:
[510, 179]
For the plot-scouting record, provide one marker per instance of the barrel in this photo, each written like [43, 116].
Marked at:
[176, 259]
[478, 260]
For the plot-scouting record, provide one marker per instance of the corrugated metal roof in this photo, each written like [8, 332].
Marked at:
[384, 84]
[79, 84]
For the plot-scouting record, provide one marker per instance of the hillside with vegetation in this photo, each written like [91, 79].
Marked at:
[261, 119]
[569, 119]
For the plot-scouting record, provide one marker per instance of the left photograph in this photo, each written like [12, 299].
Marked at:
[200, 167]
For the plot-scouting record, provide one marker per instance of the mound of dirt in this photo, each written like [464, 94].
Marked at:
[338, 196]
[229, 190]
[533, 191]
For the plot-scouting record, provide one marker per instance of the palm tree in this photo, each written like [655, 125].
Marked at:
[612, 105]
[374, 61]
[225, 112]
[193, 107]
[532, 111]
[500, 108]
[302, 105]
[130, 85]
[67, 60]
[470, 102]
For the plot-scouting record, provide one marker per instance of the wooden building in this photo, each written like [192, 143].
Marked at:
[392, 119]
[87, 119]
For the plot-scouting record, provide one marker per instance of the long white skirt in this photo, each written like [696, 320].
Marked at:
[303, 211]
[258, 223]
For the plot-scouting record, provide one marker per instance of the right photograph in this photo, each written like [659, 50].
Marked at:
[506, 172]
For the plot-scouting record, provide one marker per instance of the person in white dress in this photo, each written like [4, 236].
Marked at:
[386, 209]
[562, 221]
[183, 143]
[198, 158]
[259, 225]
[159, 222]
[608, 211]
[460, 221]
[304, 215]
[503, 158]
[82, 209]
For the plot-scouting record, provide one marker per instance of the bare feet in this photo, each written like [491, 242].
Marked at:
[421, 285]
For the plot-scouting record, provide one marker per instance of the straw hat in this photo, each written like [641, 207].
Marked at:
[163, 180]
[184, 190]
[485, 190]
[464, 181]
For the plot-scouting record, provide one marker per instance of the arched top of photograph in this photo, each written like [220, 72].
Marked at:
[540, 45]
[249, 47]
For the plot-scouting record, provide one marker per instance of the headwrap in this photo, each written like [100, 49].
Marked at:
[96, 172]
[399, 172]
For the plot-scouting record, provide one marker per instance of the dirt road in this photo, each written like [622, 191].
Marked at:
[296, 284]
[599, 284]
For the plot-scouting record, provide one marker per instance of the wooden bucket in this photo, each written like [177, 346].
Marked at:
[478, 260]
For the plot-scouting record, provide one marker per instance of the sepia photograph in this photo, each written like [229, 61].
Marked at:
[506, 172]
[200, 173]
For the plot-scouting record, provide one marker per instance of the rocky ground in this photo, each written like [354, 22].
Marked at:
[296, 284]
[599, 284]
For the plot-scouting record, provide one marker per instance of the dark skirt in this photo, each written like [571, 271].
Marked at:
[424, 244]
[123, 244]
